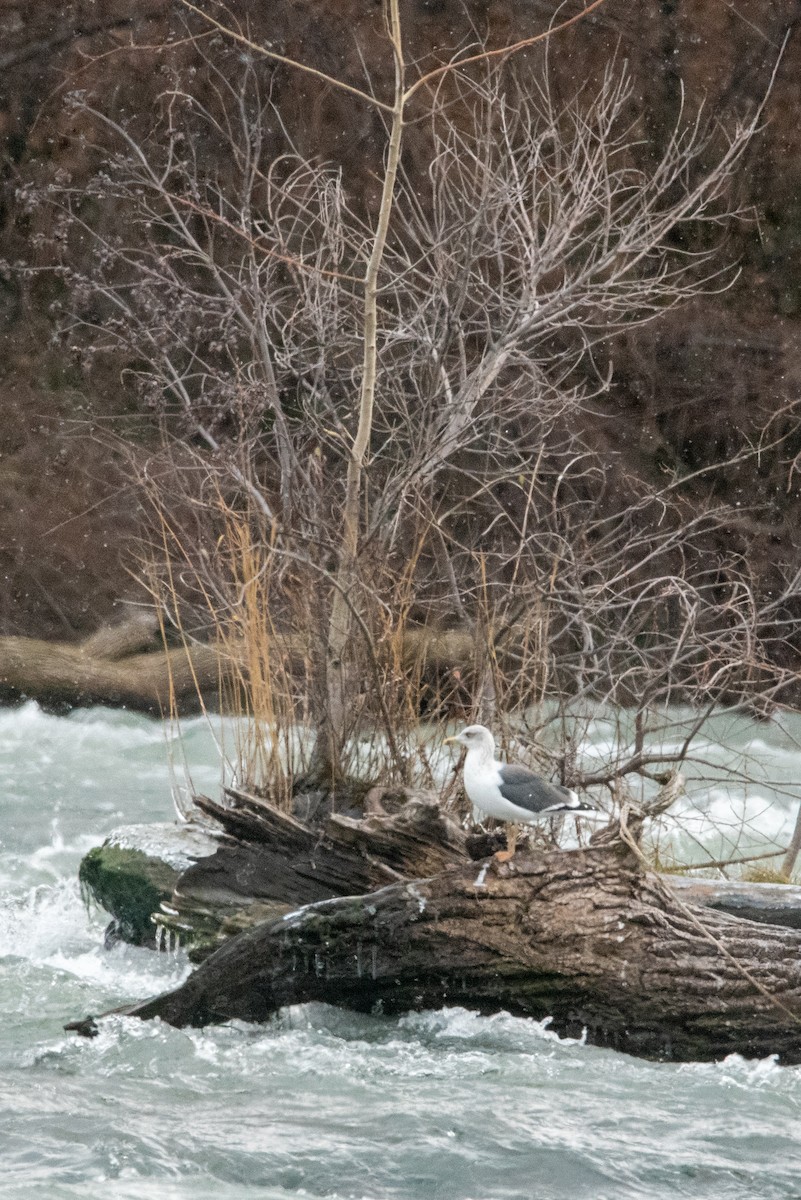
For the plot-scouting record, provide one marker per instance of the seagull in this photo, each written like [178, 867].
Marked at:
[507, 791]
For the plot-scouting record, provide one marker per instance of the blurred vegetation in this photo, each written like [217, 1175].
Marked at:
[685, 393]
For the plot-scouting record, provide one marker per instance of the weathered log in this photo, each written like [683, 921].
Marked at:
[270, 857]
[207, 888]
[767, 903]
[296, 862]
[206, 884]
[56, 673]
[584, 937]
[138, 634]
[120, 666]
[136, 870]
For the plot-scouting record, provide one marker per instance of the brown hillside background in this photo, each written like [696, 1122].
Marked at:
[686, 390]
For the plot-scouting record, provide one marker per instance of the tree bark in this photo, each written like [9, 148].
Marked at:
[270, 860]
[766, 903]
[584, 937]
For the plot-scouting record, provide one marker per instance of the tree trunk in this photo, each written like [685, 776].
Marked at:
[584, 937]
[119, 666]
[56, 673]
[271, 861]
[341, 684]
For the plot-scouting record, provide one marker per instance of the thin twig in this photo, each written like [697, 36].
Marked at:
[288, 62]
[501, 52]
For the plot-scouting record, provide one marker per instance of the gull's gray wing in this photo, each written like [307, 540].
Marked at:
[525, 789]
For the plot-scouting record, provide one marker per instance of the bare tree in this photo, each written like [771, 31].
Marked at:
[380, 423]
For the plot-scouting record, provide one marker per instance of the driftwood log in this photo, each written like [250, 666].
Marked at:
[126, 666]
[586, 937]
[767, 903]
[269, 863]
[203, 885]
[118, 666]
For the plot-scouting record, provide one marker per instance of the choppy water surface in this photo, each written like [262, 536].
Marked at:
[321, 1103]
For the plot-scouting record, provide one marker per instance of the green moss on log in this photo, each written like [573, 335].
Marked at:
[130, 885]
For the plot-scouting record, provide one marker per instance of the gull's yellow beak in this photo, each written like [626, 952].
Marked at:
[451, 739]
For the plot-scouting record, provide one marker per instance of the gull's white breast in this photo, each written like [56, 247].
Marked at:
[482, 783]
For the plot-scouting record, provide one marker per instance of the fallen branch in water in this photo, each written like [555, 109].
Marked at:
[586, 937]
[121, 666]
[115, 666]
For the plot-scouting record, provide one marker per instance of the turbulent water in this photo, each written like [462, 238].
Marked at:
[322, 1103]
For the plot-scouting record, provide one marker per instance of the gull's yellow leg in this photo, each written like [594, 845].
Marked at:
[511, 844]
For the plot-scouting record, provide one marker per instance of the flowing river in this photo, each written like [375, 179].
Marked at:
[323, 1103]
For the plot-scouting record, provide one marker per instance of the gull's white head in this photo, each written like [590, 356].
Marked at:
[475, 737]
